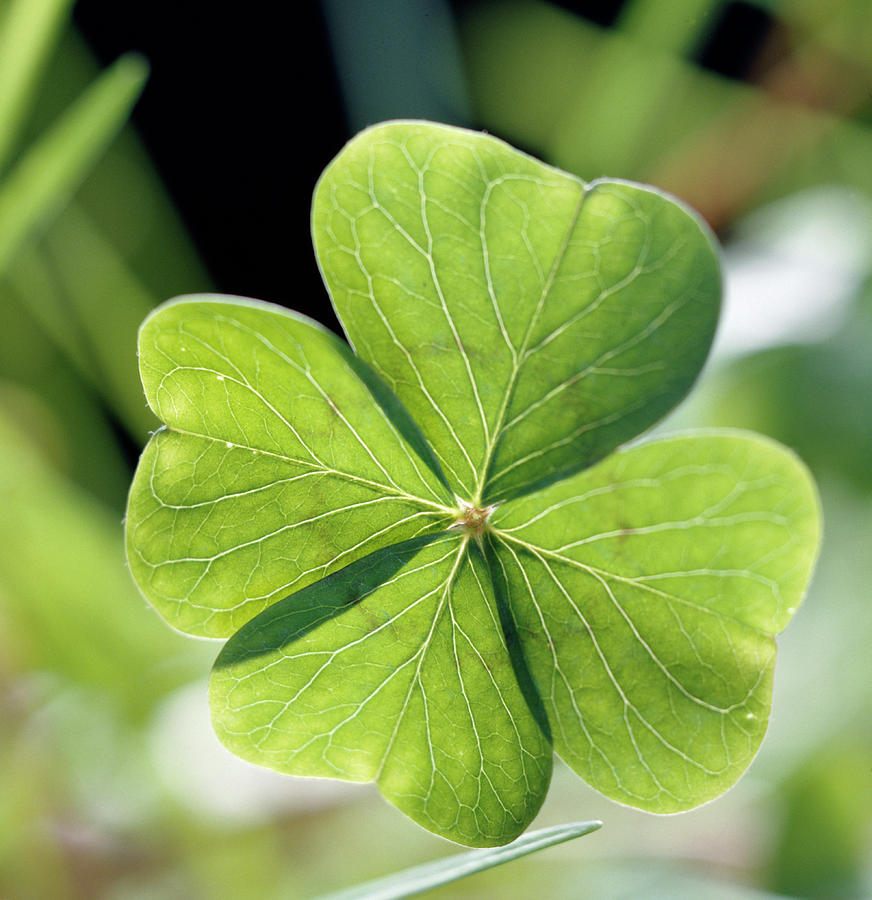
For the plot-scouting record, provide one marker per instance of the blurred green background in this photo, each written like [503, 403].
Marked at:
[758, 113]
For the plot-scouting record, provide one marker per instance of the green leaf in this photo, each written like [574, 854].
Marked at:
[427, 618]
[104, 303]
[528, 321]
[645, 593]
[678, 29]
[428, 876]
[394, 670]
[53, 168]
[89, 303]
[68, 606]
[283, 460]
[28, 30]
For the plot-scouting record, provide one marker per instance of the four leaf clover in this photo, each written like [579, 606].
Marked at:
[433, 566]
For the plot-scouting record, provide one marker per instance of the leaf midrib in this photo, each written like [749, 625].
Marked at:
[628, 705]
[520, 356]
[425, 644]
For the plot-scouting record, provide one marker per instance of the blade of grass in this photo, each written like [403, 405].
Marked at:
[431, 875]
[104, 303]
[416, 38]
[639, 67]
[29, 31]
[675, 28]
[85, 298]
[54, 167]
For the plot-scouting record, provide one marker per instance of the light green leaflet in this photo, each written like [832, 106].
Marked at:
[278, 464]
[436, 584]
[529, 322]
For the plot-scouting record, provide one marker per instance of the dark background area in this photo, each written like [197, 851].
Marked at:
[241, 162]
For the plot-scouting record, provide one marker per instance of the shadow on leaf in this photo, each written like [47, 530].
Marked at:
[299, 613]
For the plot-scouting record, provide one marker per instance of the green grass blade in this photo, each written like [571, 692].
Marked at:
[435, 874]
[28, 33]
[54, 167]
[676, 28]
[104, 301]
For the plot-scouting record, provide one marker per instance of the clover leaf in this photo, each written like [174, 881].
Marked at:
[432, 568]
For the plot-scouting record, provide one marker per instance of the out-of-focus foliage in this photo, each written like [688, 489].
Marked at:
[814, 397]
[631, 101]
[84, 662]
[70, 308]
[85, 250]
[66, 595]
[832, 790]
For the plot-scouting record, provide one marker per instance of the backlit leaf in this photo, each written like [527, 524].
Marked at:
[435, 609]
[530, 322]
[393, 670]
[646, 592]
[278, 464]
